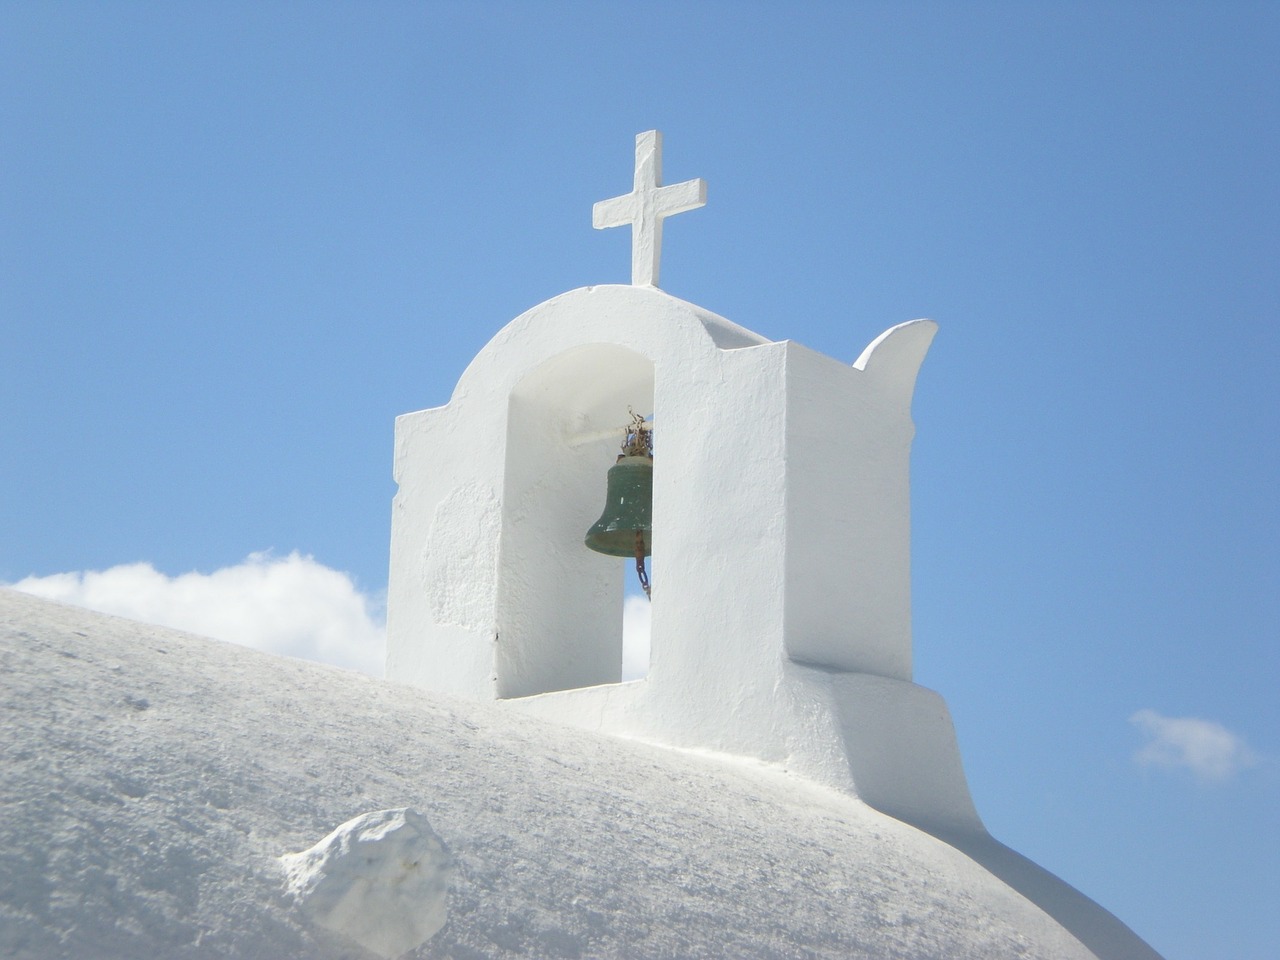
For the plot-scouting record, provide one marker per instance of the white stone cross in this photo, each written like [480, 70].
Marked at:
[646, 206]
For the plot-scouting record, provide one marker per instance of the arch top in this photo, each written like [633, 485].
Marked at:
[645, 320]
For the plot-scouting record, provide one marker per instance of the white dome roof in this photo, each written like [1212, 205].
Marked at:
[151, 779]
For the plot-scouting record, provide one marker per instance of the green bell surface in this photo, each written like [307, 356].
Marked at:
[628, 508]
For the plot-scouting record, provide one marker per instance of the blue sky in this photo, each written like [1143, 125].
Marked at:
[236, 240]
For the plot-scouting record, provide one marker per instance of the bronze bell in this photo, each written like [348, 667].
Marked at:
[625, 528]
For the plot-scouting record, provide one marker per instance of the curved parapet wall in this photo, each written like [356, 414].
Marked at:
[848, 516]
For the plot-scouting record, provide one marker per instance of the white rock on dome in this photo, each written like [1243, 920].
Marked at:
[380, 879]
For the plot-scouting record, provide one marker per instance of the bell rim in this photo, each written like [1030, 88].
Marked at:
[596, 542]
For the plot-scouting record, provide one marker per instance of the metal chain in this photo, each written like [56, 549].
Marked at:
[640, 570]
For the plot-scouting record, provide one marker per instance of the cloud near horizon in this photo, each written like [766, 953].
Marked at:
[1209, 750]
[290, 605]
[293, 606]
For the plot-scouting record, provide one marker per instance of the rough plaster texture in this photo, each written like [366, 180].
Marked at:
[781, 604]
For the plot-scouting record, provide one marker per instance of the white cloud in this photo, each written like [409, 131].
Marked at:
[635, 638]
[1209, 750]
[288, 605]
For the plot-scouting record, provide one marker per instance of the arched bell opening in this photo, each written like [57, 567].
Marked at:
[625, 530]
[560, 605]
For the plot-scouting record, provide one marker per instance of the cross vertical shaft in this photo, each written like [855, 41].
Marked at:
[646, 206]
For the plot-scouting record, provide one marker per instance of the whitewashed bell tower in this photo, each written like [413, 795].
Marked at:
[781, 617]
